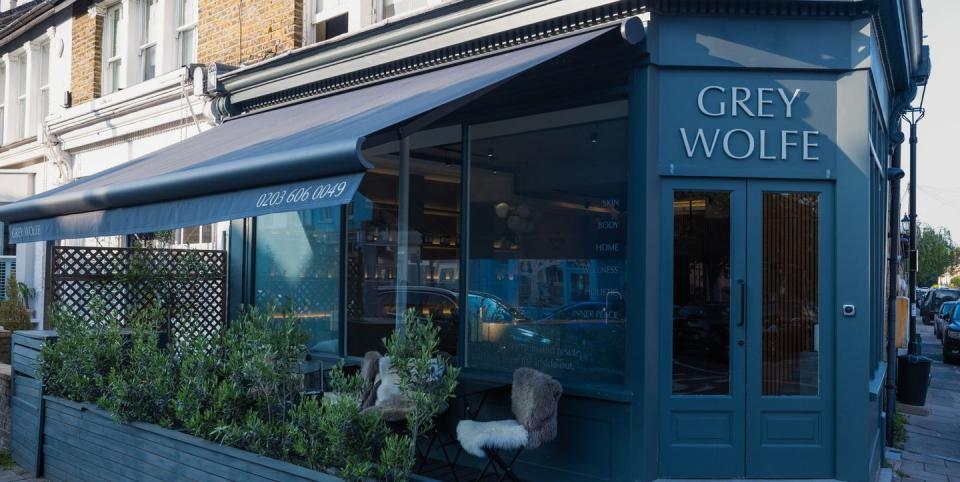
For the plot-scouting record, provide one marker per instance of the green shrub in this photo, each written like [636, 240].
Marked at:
[900, 423]
[245, 397]
[336, 433]
[192, 403]
[353, 386]
[395, 462]
[425, 376]
[14, 314]
[308, 440]
[77, 366]
[143, 386]
[245, 389]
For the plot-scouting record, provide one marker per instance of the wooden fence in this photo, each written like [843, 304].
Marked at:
[189, 285]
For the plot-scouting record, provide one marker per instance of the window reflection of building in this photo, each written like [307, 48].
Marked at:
[548, 223]
[548, 249]
[432, 248]
[297, 266]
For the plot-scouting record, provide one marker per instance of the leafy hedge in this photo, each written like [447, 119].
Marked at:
[246, 389]
[14, 314]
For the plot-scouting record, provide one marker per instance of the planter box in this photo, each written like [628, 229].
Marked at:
[83, 442]
[63, 440]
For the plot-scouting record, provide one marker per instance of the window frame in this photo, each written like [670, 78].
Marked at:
[22, 93]
[3, 101]
[381, 9]
[146, 18]
[180, 26]
[112, 37]
[43, 88]
[316, 16]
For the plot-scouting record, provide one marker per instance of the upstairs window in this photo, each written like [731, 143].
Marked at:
[195, 234]
[43, 57]
[329, 18]
[3, 100]
[333, 27]
[21, 96]
[393, 8]
[186, 31]
[149, 35]
[112, 52]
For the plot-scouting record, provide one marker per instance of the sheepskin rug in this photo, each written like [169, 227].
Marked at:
[501, 434]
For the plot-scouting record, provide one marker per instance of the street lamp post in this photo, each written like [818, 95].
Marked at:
[913, 347]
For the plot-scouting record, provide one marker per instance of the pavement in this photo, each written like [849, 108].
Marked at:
[15, 474]
[932, 450]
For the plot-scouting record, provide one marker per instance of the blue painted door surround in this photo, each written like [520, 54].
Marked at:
[746, 329]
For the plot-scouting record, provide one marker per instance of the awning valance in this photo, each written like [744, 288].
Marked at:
[297, 157]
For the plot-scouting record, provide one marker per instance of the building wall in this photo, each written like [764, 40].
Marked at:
[778, 50]
[86, 66]
[242, 33]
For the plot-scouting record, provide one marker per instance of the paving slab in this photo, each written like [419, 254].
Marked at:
[932, 450]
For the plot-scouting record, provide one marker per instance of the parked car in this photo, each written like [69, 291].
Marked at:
[951, 342]
[943, 317]
[440, 305]
[931, 304]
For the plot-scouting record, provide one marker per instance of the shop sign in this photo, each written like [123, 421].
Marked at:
[739, 143]
[747, 124]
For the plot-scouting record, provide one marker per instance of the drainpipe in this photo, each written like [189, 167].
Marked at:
[914, 346]
[894, 174]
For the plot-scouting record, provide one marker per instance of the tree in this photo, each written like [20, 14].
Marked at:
[936, 251]
[955, 282]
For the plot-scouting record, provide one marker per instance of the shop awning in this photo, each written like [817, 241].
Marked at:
[298, 157]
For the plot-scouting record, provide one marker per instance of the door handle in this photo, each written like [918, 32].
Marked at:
[743, 302]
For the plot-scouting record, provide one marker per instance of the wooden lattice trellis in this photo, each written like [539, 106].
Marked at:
[190, 285]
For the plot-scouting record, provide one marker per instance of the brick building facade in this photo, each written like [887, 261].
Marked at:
[234, 32]
[86, 65]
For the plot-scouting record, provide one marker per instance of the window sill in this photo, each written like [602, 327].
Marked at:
[17, 143]
[608, 393]
[876, 384]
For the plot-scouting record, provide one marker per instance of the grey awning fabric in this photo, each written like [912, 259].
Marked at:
[227, 172]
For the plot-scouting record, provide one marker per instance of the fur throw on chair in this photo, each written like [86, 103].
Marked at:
[474, 436]
[369, 370]
[534, 403]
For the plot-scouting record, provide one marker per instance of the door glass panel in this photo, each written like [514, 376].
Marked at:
[701, 293]
[790, 293]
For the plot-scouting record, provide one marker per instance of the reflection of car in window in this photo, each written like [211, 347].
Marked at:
[438, 304]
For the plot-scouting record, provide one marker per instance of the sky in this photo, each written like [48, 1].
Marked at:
[938, 133]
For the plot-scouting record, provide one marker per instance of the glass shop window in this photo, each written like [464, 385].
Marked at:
[547, 267]
[380, 264]
[297, 265]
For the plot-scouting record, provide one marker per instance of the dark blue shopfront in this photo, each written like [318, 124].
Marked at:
[688, 232]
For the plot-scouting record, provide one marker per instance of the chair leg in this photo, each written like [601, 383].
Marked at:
[506, 467]
[486, 467]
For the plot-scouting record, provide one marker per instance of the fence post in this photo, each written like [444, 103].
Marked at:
[26, 410]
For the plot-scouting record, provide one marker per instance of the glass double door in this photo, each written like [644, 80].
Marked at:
[746, 333]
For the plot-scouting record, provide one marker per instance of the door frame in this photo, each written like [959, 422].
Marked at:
[775, 443]
[723, 458]
[741, 457]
